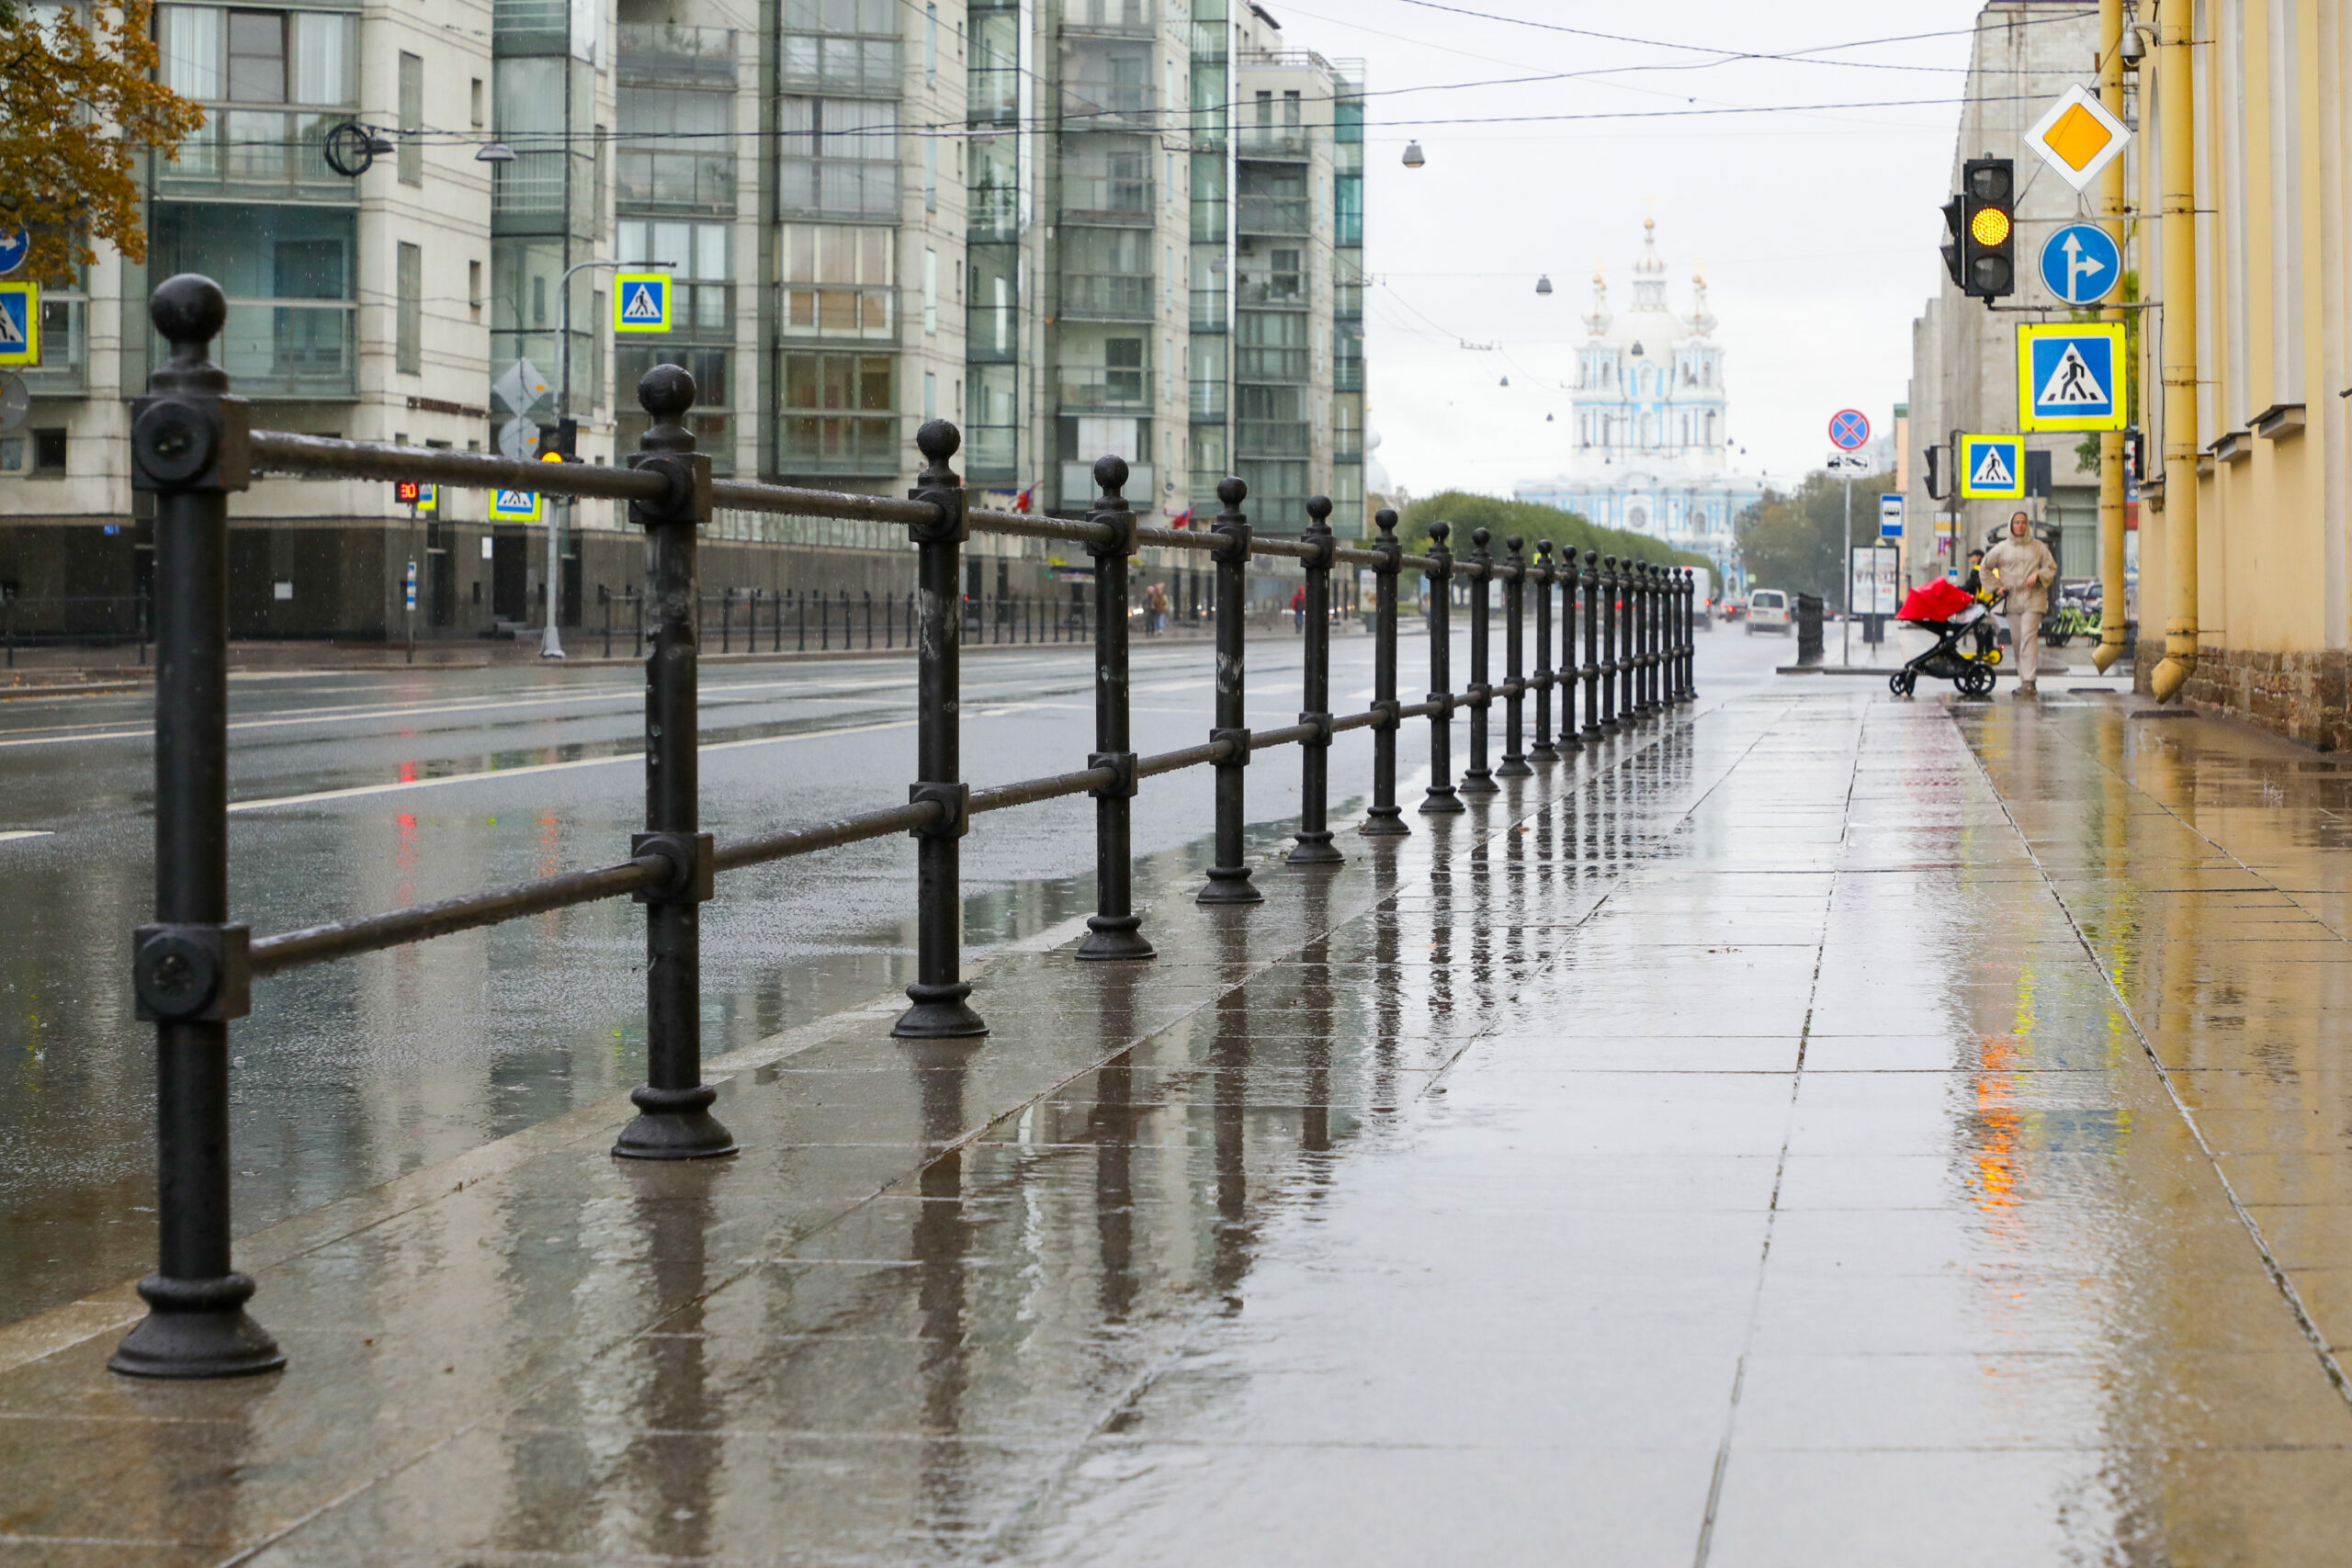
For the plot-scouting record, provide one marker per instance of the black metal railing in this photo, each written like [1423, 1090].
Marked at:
[193, 968]
[73, 619]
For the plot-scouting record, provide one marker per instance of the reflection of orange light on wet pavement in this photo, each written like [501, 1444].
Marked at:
[1996, 1156]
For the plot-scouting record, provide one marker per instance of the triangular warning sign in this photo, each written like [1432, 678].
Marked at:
[2071, 384]
[12, 320]
[1991, 473]
[640, 305]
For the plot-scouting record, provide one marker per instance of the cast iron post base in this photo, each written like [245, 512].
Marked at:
[1111, 937]
[197, 1328]
[939, 1013]
[1442, 800]
[1383, 822]
[674, 1123]
[1231, 885]
[1315, 849]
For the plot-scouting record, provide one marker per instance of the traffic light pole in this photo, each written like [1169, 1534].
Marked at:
[1846, 628]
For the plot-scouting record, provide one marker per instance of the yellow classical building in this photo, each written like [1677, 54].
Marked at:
[2237, 211]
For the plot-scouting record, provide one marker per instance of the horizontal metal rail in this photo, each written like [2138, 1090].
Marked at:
[191, 451]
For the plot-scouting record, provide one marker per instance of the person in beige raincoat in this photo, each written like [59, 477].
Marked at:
[2018, 570]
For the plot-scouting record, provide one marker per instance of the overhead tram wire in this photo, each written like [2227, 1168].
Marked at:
[1716, 49]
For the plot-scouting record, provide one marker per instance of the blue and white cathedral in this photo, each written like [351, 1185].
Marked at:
[1649, 452]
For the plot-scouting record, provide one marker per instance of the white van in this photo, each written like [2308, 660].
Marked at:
[1768, 611]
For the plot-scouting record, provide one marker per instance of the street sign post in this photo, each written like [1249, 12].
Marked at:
[2070, 377]
[2078, 137]
[15, 247]
[2081, 263]
[641, 302]
[1889, 516]
[19, 323]
[1849, 430]
[1992, 468]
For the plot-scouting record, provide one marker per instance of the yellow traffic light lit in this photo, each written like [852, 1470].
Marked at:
[1989, 227]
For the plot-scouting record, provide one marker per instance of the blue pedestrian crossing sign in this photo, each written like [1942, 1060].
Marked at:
[2070, 377]
[1992, 468]
[514, 506]
[15, 247]
[2081, 263]
[642, 302]
[19, 323]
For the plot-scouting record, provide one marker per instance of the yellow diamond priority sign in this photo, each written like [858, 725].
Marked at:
[2077, 138]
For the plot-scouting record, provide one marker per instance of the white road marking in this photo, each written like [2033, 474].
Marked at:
[8, 833]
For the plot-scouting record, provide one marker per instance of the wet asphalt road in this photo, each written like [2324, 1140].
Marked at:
[357, 791]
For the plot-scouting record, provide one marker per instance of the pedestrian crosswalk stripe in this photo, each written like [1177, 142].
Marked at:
[641, 306]
[2072, 383]
[514, 500]
[1991, 472]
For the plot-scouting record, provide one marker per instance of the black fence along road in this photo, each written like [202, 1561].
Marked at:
[193, 968]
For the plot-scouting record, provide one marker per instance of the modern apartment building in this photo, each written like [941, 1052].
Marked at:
[1075, 226]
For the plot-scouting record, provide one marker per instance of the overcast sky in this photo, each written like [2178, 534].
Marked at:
[1818, 231]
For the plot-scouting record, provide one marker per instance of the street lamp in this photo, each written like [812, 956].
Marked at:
[1543, 283]
[494, 153]
[1413, 159]
[551, 641]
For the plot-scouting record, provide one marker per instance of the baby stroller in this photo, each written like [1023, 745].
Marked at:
[1953, 614]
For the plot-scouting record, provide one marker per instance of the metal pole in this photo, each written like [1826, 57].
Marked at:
[1571, 576]
[1606, 586]
[940, 1010]
[1629, 598]
[1384, 819]
[1542, 750]
[1590, 581]
[188, 968]
[1645, 639]
[1846, 627]
[1441, 798]
[673, 1120]
[1478, 778]
[1689, 636]
[1111, 929]
[1314, 846]
[1229, 877]
[1515, 660]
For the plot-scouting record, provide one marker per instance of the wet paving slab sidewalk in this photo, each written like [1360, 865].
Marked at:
[1815, 1130]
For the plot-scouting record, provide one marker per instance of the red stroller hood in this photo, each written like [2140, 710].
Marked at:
[1937, 600]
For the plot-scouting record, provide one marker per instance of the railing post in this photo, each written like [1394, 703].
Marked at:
[1229, 877]
[1314, 846]
[1665, 651]
[1111, 929]
[1542, 750]
[673, 1120]
[1515, 660]
[188, 969]
[1652, 643]
[1478, 778]
[1689, 636]
[940, 1011]
[1442, 798]
[1628, 642]
[1605, 600]
[1571, 587]
[1384, 819]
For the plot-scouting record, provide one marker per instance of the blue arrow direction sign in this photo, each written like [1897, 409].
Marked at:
[15, 244]
[1849, 430]
[2081, 263]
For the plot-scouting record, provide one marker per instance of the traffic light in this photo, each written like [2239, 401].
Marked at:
[1980, 254]
[564, 445]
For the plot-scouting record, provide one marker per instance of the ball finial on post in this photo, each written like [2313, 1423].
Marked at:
[1111, 475]
[1232, 491]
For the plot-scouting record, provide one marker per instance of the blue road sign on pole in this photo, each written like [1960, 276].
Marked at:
[2081, 263]
[1849, 430]
[15, 244]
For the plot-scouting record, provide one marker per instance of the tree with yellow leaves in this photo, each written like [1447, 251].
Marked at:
[79, 104]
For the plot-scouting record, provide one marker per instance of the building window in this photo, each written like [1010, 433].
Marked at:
[676, 148]
[1291, 120]
[271, 82]
[710, 419]
[473, 288]
[474, 102]
[839, 155]
[930, 395]
[931, 292]
[929, 44]
[838, 413]
[408, 328]
[931, 174]
[290, 274]
[699, 254]
[989, 330]
[412, 89]
[837, 280]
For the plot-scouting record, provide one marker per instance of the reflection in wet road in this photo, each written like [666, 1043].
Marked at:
[1815, 1130]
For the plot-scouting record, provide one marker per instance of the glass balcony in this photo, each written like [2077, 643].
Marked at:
[838, 443]
[836, 311]
[1096, 386]
[1078, 489]
[990, 451]
[992, 212]
[1281, 366]
[1108, 106]
[993, 96]
[1275, 215]
[1208, 399]
[1347, 374]
[675, 56]
[1283, 141]
[1208, 310]
[866, 67]
[532, 186]
[1281, 290]
[1118, 19]
[280, 348]
[1106, 200]
[1107, 297]
[1273, 438]
[254, 152]
[704, 181]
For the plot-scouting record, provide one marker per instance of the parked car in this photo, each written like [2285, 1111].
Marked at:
[1768, 611]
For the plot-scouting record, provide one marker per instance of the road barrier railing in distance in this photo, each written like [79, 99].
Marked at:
[193, 967]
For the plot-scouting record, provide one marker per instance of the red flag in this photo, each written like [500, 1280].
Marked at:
[1182, 519]
[1021, 504]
